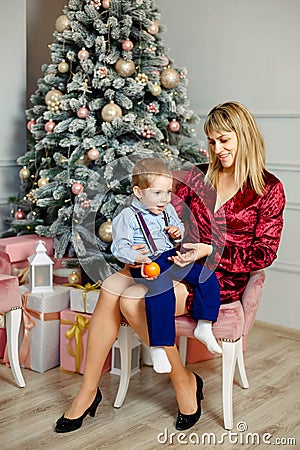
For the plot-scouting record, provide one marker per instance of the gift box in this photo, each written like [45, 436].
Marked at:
[61, 273]
[2, 335]
[18, 248]
[39, 350]
[73, 341]
[84, 298]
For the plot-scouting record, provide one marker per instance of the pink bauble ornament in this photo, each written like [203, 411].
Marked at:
[105, 4]
[174, 126]
[93, 154]
[77, 188]
[30, 123]
[49, 126]
[82, 112]
[20, 215]
[127, 45]
[83, 54]
[155, 72]
[165, 60]
[153, 29]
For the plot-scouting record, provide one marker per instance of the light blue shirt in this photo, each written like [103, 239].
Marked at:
[127, 232]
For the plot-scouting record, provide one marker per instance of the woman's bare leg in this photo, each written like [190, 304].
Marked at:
[103, 331]
[132, 305]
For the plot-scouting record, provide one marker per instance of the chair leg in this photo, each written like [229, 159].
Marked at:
[13, 320]
[124, 339]
[182, 346]
[228, 367]
[241, 365]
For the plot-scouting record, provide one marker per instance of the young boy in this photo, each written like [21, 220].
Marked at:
[152, 221]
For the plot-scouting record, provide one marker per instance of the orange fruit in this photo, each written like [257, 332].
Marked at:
[152, 269]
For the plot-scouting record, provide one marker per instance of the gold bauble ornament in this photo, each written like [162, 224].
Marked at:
[24, 173]
[169, 78]
[73, 278]
[42, 182]
[125, 68]
[105, 231]
[110, 112]
[62, 23]
[63, 67]
[156, 90]
[53, 96]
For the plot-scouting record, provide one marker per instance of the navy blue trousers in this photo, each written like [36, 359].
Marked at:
[160, 298]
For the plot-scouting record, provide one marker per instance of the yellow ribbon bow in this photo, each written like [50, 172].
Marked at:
[78, 328]
[86, 288]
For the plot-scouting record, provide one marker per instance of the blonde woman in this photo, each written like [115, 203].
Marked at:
[236, 207]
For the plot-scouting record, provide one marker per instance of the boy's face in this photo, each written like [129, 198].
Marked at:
[157, 196]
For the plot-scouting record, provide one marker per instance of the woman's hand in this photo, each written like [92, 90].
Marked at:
[197, 251]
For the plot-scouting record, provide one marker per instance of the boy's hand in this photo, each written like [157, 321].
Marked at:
[174, 232]
[142, 259]
[143, 250]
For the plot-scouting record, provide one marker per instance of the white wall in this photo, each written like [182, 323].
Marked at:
[234, 49]
[13, 88]
[249, 51]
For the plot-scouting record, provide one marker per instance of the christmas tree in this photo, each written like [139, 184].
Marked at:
[109, 97]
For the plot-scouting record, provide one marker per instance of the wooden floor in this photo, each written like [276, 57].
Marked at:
[271, 405]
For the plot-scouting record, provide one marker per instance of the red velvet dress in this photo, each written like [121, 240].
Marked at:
[245, 231]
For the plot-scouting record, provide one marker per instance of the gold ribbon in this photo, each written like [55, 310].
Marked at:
[88, 287]
[77, 329]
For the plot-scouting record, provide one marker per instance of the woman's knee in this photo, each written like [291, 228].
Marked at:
[132, 302]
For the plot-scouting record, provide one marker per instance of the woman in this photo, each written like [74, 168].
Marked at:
[237, 208]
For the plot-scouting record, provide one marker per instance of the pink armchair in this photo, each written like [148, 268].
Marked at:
[235, 320]
[11, 305]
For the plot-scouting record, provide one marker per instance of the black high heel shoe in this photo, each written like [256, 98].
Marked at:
[186, 421]
[64, 425]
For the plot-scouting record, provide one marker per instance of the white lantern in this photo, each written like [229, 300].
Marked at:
[41, 270]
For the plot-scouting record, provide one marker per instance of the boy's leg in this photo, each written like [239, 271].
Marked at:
[206, 303]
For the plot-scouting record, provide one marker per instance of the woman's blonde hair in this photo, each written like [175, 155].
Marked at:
[250, 161]
[147, 170]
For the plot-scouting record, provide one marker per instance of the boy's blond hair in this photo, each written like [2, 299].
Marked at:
[147, 170]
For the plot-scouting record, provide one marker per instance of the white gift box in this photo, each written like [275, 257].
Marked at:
[39, 350]
[82, 300]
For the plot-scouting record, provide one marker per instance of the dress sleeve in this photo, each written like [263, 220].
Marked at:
[263, 249]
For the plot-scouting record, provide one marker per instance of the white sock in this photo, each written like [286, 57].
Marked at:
[161, 363]
[203, 332]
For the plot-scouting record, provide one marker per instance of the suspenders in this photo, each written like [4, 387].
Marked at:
[145, 229]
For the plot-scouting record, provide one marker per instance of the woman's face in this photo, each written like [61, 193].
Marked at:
[224, 145]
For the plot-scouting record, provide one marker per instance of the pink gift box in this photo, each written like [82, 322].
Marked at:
[72, 352]
[2, 341]
[18, 248]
